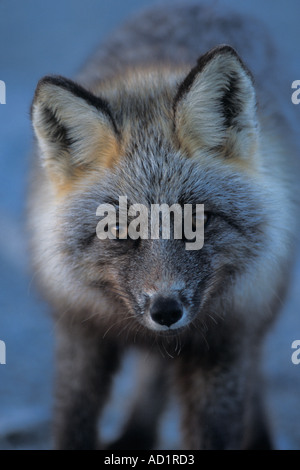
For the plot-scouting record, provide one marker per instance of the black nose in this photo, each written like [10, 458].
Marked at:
[166, 311]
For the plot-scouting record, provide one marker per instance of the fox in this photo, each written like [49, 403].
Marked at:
[179, 105]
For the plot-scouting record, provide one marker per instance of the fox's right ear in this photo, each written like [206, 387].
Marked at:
[215, 107]
[75, 129]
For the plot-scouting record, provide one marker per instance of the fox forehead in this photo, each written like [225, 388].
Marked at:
[142, 104]
[142, 89]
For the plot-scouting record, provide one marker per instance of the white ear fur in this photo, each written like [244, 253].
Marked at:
[74, 129]
[215, 107]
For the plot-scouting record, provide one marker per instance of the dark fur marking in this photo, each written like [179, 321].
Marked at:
[58, 132]
[87, 241]
[186, 85]
[77, 90]
[232, 106]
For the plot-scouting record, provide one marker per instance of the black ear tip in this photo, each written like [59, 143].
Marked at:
[220, 49]
[223, 49]
[203, 61]
[55, 80]
[227, 48]
[75, 89]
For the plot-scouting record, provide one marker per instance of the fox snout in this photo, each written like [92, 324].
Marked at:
[165, 312]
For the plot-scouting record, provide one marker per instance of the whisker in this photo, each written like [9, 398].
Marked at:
[213, 319]
[112, 326]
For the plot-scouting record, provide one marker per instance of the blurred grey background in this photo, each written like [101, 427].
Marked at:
[37, 38]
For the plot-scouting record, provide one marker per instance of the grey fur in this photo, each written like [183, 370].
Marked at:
[231, 289]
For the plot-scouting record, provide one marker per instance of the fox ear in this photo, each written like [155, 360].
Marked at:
[74, 129]
[215, 106]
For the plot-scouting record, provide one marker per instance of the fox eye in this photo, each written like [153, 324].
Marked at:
[205, 220]
[119, 231]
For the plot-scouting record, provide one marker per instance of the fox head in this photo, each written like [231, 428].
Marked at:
[160, 136]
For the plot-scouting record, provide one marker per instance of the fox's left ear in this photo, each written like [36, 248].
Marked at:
[75, 130]
[215, 106]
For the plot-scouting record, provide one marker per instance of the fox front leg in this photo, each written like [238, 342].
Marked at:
[85, 366]
[214, 406]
